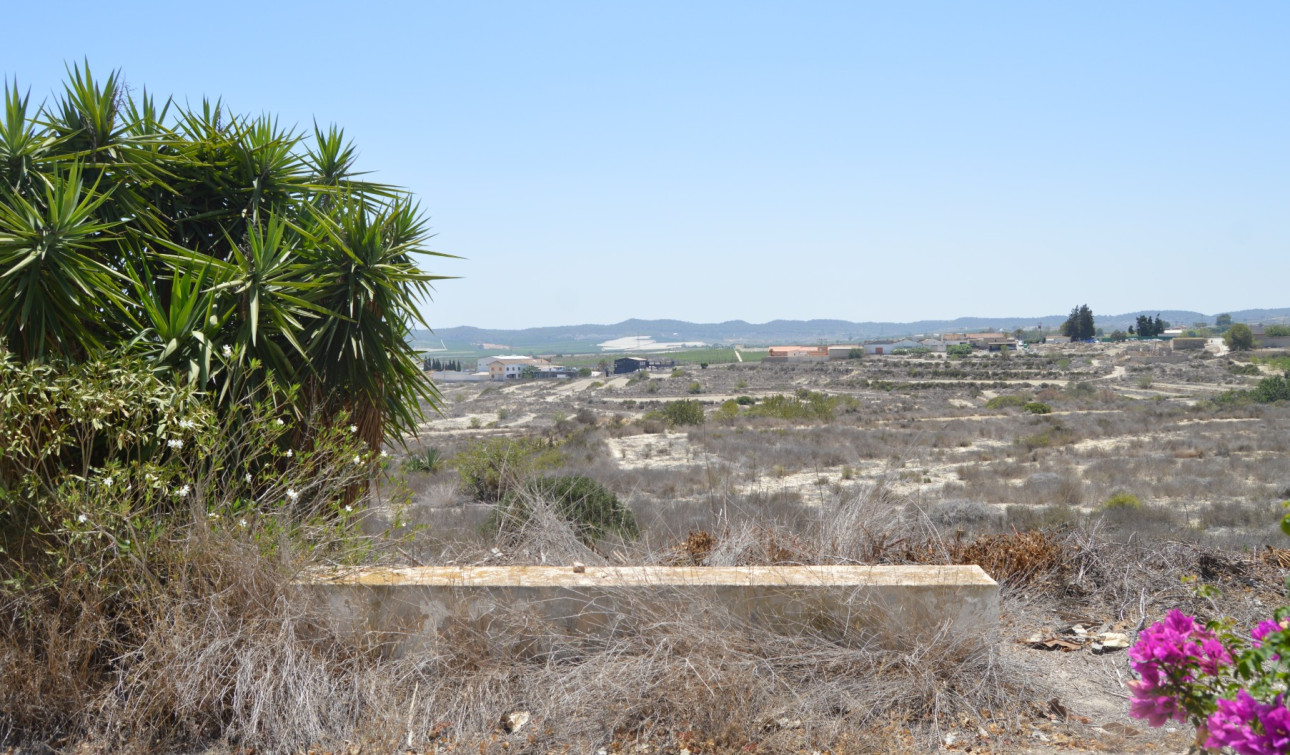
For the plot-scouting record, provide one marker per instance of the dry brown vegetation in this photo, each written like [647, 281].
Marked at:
[917, 469]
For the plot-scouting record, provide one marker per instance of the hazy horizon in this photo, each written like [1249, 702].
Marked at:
[876, 320]
[761, 161]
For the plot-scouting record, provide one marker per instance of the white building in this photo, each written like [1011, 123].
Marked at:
[482, 364]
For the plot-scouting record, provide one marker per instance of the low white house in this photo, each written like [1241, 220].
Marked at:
[483, 363]
[513, 367]
[878, 348]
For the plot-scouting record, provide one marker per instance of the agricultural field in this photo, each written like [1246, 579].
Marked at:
[1102, 485]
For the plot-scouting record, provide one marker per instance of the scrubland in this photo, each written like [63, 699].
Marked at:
[1130, 492]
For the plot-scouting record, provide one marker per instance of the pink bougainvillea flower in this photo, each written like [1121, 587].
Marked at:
[1157, 709]
[1250, 727]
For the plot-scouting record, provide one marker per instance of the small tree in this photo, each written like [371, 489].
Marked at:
[1149, 327]
[1222, 322]
[1239, 337]
[1079, 325]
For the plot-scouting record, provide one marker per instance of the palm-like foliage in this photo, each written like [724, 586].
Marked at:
[52, 281]
[363, 267]
[205, 240]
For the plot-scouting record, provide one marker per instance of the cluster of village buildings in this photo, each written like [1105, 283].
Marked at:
[517, 366]
[984, 341]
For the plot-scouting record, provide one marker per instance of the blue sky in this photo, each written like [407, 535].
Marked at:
[747, 160]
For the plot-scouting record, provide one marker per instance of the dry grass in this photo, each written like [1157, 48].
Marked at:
[221, 648]
[228, 650]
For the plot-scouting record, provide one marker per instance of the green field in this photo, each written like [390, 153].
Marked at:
[572, 358]
[686, 356]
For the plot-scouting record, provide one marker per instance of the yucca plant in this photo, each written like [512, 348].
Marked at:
[428, 459]
[206, 241]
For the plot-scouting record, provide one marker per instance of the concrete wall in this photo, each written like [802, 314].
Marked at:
[402, 610]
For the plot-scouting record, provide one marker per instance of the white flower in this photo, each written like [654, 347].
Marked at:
[227, 350]
[278, 422]
[213, 515]
[183, 492]
[82, 519]
[384, 453]
[290, 453]
[107, 482]
[292, 494]
[175, 443]
[247, 478]
[185, 423]
[242, 523]
[353, 428]
[348, 507]
[357, 459]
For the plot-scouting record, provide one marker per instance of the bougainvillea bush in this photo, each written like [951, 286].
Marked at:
[1233, 688]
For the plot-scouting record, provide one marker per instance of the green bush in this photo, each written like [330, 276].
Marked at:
[1006, 401]
[593, 510]
[1269, 389]
[728, 410]
[695, 388]
[490, 468]
[1277, 331]
[804, 406]
[1037, 407]
[1122, 500]
[679, 413]
[677, 372]
[958, 351]
[745, 400]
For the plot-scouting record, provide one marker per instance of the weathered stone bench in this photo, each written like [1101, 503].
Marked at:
[405, 608]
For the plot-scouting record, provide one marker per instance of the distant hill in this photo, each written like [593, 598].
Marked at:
[585, 338]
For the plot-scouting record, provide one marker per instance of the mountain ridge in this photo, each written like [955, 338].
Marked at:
[789, 331]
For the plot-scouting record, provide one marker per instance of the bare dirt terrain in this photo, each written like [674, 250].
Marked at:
[947, 454]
